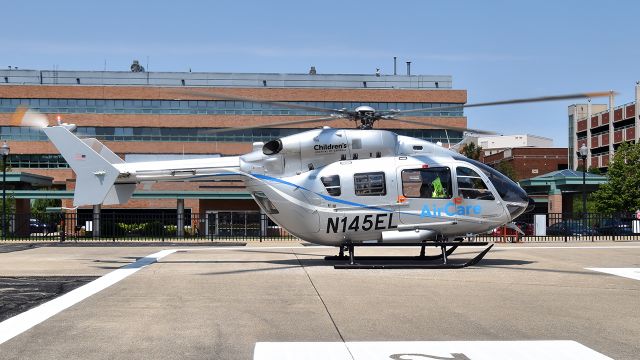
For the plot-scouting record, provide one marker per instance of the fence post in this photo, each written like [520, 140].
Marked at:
[63, 227]
[113, 226]
[162, 223]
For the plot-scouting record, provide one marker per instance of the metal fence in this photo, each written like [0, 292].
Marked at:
[229, 226]
[567, 227]
[253, 226]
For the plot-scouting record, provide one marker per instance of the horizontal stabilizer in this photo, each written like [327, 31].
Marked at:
[119, 194]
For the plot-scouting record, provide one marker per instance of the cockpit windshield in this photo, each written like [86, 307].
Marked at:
[507, 189]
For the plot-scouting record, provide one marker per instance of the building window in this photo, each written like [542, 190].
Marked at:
[370, 184]
[427, 183]
[121, 106]
[471, 185]
[332, 184]
[108, 133]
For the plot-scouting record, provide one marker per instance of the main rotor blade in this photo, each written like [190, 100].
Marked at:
[305, 121]
[440, 126]
[24, 116]
[218, 96]
[508, 102]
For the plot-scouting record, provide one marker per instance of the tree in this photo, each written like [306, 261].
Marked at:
[591, 170]
[471, 150]
[622, 191]
[507, 169]
[10, 205]
[40, 206]
[594, 171]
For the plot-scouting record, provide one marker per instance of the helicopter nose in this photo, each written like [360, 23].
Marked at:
[521, 205]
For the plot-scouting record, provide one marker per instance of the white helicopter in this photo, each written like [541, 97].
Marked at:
[338, 187]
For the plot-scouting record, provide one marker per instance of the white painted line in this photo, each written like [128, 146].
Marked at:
[516, 247]
[631, 273]
[30, 318]
[424, 350]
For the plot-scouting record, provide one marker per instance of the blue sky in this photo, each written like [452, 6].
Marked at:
[494, 49]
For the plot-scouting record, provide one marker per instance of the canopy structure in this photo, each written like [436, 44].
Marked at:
[554, 187]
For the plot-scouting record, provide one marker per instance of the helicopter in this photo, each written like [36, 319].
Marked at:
[331, 186]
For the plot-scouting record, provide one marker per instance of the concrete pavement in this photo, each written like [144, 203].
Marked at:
[218, 303]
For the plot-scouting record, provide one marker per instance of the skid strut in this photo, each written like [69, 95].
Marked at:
[410, 262]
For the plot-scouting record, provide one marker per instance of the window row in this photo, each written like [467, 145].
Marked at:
[37, 161]
[430, 183]
[213, 107]
[18, 133]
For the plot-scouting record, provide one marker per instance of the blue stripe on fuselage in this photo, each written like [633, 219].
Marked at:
[326, 197]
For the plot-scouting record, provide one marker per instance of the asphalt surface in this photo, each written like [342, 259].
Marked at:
[218, 303]
[21, 293]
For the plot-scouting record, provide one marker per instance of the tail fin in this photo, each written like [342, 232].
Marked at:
[95, 175]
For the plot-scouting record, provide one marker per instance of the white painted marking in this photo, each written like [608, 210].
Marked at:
[30, 318]
[631, 273]
[424, 350]
[586, 247]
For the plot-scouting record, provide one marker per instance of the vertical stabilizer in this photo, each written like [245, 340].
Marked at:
[95, 175]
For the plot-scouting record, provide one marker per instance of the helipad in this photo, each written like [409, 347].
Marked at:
[286, 302]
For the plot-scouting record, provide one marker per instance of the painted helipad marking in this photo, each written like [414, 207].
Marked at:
[30, 318]
[631, 273]
[597, 247]
[424, 350]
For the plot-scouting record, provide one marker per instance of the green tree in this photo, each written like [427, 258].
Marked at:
[622, 191]
[11, 202]
[39, 206]
[591, 170]
[471, 150]
[595, 171]
[507, 169]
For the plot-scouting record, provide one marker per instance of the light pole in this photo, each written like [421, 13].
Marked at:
[582, 153]
[4, 150]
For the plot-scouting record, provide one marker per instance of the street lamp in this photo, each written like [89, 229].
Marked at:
[582, 153]
[4, 150]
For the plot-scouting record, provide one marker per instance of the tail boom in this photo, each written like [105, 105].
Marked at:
[104, 178]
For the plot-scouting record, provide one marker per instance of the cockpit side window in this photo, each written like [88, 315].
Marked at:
[332, 184]
[471, 185]
[506, 188]
[431, 183]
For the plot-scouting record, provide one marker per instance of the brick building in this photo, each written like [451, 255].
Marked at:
[530, 161]
[602, 128]
[149, 114]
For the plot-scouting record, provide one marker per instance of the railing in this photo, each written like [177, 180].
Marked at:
[567, 227]
[253, 226]
[228, 226]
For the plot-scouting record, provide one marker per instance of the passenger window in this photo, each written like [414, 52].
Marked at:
[431, 183]
[471, 185]
[332, 184]
[370, 184]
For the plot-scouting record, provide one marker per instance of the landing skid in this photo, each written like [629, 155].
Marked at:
[409, 262]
